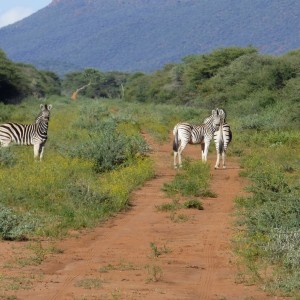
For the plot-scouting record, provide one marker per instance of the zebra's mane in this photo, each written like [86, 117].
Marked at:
[39, 117]
[209, 119]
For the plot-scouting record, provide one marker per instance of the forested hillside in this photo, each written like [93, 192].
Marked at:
[135, 35]
[18, 80]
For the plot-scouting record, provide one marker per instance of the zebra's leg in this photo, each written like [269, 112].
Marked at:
[218, 160]
[180, 149]
[37, 151]
[224, 159]
[206, 147]
[202, 151]
[4, 144]
[175, 158]
[179, 157]
[41, 151]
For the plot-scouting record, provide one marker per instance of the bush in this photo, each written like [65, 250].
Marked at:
[193, 203]
[271, 217]
[110, 149]
[7, 158]
[191, 181]
[13, 226]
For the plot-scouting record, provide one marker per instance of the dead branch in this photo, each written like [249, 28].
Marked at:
[74, 94]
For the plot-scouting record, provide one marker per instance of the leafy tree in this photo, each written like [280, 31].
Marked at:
[13, 85]
[19, 80]
[97, 84]
[202, 67]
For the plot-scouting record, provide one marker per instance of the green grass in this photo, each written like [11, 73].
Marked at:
[192, 180]
[158, 251]
[169, 206]
[122, 266]
[270, 215]
[15, 283]
[89, 283]
[155, 272]
[193, 204]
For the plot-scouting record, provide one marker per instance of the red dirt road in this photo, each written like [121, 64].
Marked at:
[115, 260]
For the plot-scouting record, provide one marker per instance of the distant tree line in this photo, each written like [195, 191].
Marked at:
[19, 80]
[238, 79]
[264, 89]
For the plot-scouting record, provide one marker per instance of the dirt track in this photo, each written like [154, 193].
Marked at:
[115, 261]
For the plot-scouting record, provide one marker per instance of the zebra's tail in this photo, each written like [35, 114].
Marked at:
[221, 139]
[175, 141]
[221, 146]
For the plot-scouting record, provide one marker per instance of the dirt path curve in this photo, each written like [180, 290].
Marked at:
[115, 261]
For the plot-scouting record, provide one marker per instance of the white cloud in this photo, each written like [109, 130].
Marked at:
[13, 15]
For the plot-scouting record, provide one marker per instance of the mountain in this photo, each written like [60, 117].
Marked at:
[143, 35]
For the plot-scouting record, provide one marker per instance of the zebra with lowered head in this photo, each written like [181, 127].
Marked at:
[28, 134]
[185, 133]
[222, 138]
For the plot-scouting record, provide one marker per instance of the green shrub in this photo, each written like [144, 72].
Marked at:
[192, 180]
[169, 206]
[110, 149]
[193, 203]
[7, 158]
[13, 226]
[271, 218]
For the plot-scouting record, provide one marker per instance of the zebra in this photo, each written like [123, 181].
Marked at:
[185, 133]
[222, 138]
[29, 134]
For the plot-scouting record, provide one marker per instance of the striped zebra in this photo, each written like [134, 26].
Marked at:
[185, 133]
[29, 134]
[222, 138]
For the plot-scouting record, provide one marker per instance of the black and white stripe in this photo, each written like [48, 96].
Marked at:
[28, 134]
[222, 138]
[185, 133]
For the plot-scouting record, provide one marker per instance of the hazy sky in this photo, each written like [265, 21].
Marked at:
[15, 10]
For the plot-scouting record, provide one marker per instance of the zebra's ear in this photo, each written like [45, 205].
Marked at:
[49, 106]
[213, 112]
[42, 106]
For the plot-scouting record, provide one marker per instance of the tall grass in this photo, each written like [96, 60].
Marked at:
[270, 215]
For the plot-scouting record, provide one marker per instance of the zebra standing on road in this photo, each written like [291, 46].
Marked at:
[185, 133]
[29, 134]
[222, 138]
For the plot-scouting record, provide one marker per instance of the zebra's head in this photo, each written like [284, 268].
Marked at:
[216, 118]
[45, 113]
[222, 114]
